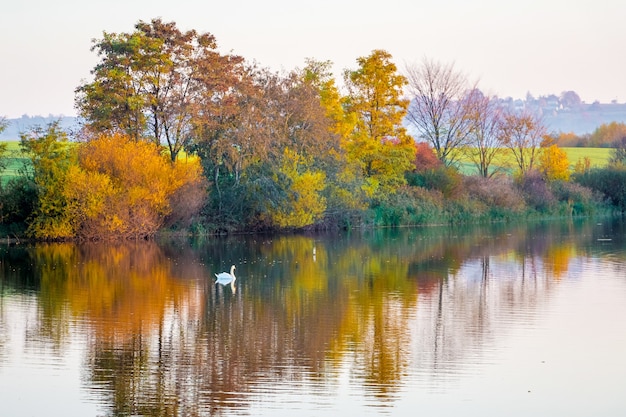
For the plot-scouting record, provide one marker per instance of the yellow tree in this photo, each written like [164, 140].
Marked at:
[344, 179]
[303, 204]
[51, 156]
[553, 164]
[379, 142]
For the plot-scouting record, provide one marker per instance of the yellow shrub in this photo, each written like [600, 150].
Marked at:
[123, 187]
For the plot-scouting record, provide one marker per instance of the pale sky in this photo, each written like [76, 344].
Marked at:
[510, 47]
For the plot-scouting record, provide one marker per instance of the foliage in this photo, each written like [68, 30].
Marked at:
[536, 191]
[426, 157]
[279, 112]
[379, 143]
[570, 139]
[18, 199]
[446, 180]
[303, 204]
[610, 182]
[123, 188]
[583, 165]
[497, 192]
[579, 200]
[156, 82]
[607, 134]
[553, 164]
[51, 156]
[484, 140]
[3, 146]
[410, 206]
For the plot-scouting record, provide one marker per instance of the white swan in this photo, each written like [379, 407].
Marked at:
[226, 278]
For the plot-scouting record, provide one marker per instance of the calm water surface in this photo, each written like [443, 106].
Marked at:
[490, 321]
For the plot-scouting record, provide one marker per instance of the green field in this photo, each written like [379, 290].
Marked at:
[16, 160]
[599, 158]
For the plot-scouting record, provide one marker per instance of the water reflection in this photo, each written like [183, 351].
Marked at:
[380, 309]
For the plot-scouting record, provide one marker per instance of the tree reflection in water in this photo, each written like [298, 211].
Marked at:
[161, 338]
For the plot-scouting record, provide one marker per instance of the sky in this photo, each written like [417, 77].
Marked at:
[509, 47]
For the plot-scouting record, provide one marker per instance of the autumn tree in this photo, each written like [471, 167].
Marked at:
[124, 188]
[522, 133]
[553, 164]
[154, 83]
[303, 203]
[379, 142]
[249, 149]
[484, 143]
[607, 134]
[344, 180]
[426, 157]
[51, 156]
[306, 142]
[439, 110]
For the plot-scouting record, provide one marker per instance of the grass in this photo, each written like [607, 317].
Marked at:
[15, 161]
[599, 158]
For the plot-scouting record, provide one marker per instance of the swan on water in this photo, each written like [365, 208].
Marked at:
[226, 278]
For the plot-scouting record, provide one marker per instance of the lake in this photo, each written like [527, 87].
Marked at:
[498, 320]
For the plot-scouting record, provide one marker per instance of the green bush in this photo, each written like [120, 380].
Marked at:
[409, 206]
[575, 199]
[610, 182]
[17, 201]
[447, 180]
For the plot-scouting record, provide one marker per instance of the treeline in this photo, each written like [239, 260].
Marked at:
[607, 135]
[177, 135]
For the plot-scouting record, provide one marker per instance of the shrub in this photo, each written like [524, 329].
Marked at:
[579, 199]
[610, 182]
[410, 206]
[496, 192]
[125, 189]
[447, 180]
[17, 200]
[536, 191]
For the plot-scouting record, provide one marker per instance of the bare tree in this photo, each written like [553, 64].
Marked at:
[438, 108]
[484, 138]
[522, 132]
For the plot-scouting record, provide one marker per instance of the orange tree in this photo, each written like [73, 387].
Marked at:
[123, 188]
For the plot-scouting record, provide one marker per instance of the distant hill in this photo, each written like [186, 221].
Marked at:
[26, 123]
